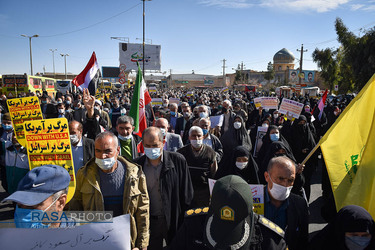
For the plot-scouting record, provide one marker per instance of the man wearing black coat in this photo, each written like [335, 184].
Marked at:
[287, 210]
[169, 187]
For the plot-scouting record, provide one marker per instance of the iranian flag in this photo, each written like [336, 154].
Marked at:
[140, 99]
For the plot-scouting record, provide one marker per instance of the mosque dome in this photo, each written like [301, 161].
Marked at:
[283, 56]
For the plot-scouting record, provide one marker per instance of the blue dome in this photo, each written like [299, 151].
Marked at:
[283, 56]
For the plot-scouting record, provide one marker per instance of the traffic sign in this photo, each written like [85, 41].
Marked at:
[122, 80]
[122, 67]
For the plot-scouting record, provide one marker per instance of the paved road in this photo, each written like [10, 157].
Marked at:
[316, 201]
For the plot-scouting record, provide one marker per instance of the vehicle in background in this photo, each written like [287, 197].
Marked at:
[20, 85]
[64, 86]
[107, 85]
[117, 86]
[284, 91]
[311, 91]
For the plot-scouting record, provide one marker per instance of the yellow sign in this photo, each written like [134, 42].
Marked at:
[21, 110]
[48, 142]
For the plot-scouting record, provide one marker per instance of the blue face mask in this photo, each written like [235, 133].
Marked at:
[7, 127]
[25, 217]
[173, 113]
[203, 115]
[205, 131]
[357, 242]
[44, 102]
[152, 153]
[275, 137]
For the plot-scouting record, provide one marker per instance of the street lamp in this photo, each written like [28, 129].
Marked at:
[147, 40]
[31, 55]
[53, 60]
[65, 55]
[144, 16]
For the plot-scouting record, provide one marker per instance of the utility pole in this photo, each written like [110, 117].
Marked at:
[224, 82]
[65, 55]
[170, 78]
[53, 61]
[300, 63]
[242, 73]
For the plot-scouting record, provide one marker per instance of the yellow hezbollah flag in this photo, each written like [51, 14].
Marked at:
[349, 152]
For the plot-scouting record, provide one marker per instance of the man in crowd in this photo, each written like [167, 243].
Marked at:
[287, 210]
[103, 114]
[6, 130]
[82, 147]
[183, 124]
[115, 111]
[211, 140]
[43, 189]
[173, 115]
[228, 116]
[79, 112]
[109, 182]
[48, 109]
[62, 113]
[172, 141]
[168, 184]
[202, 164]
[127, 141]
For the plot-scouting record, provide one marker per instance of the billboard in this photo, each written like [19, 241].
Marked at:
[110, 71]
[131, 53]
[306, 75]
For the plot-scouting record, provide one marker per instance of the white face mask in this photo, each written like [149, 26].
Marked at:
[163, 131]
[61, 111]
[265, 125]
[105, 164]
[275, 115]
[241, 165]
[196, 143]
[280, 192]
[74, 139]
[237, 125]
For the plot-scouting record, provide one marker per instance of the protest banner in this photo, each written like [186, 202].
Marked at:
[258, 195]
[174, 100]
[259, 142]
[158, 102]
[216, 120]
[258, 102]
[152, 89]
[94, 236]
[270, 103]
[48, 142]
[294, 108]
[21, 110]
[225, 89]
[190, 93]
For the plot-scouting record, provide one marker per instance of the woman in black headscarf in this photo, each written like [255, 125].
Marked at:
[352, 228]
[276, 149]
[242, 164]
[273, 134]
[236, 135]
[302, 142]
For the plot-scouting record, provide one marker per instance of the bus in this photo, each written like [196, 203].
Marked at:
[107, 85]
[63, 86]
[20, 85]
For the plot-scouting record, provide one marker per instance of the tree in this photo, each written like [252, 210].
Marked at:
[351, 65]
[270, 73]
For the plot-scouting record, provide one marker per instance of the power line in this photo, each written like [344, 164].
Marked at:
[92, 25]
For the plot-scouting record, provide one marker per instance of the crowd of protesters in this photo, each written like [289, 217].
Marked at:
[161, 178]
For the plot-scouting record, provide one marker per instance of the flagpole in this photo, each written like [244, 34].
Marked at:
[311, 153]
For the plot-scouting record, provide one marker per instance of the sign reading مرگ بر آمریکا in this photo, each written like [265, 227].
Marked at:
[48, 142]
[21, 110]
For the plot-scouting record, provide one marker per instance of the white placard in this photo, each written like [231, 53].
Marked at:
[92, 236]
[270, 103]
[217, 120]
[294, 108]
[258, 141]
[174, 100]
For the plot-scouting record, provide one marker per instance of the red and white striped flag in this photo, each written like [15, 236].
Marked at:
[89, 77]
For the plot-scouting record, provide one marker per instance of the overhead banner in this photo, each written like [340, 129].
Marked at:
[258, 195]
[48, 142]
[21, 110]
[305, 75]
[131, 53]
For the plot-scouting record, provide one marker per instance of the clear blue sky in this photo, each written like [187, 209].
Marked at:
[193, 34]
